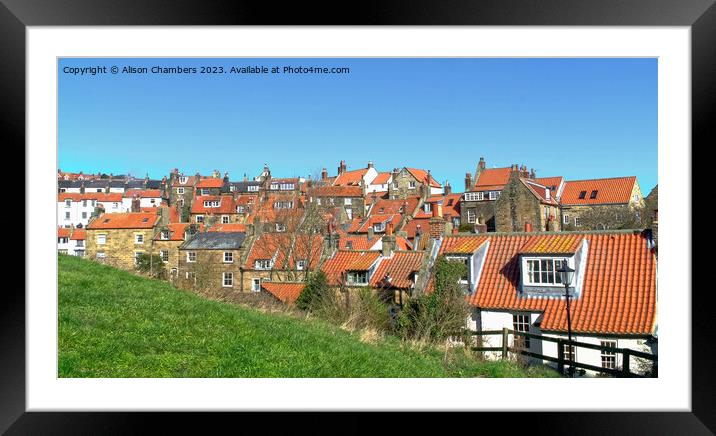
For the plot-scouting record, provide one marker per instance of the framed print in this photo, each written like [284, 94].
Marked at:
[417, 82]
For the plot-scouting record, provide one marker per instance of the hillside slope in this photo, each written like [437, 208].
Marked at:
[115, 324]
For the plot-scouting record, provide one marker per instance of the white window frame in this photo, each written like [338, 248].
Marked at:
[379, 227]
[301, 265]
[227, 277]
[101, 255]
[200, 218]
[347, 201]
[471, 216]
[280, 227]
[259, 264]
[205, 191]
[68, 202]
[411, 184]
[493, 195]
[180, 191]
[183, 180]
[565, 218]
[577, 221]
[256, 285]
[239, 209]
[164, 254]
[274, 186]
[474, 196]
[101, 239]
[225, 219]
[190, 258]
[228, 257]
[607, 356]
[164, 235]
[252, 188]
[190, 275]
[546, 263]
[356, 278]
[521, 322]
[139, 238]
[136, 257]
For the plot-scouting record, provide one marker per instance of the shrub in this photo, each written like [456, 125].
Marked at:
[151, 265]
[368, 311]
[443, 313]
[315, 289]
[466, 228]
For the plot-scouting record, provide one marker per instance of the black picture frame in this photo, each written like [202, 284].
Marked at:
[16, 15]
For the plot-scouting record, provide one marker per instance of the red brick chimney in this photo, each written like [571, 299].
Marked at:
[341, 167]
[448, 188]
[468, 181]
[481, 164]
[324, 174]
[437, 226]
[528, 227]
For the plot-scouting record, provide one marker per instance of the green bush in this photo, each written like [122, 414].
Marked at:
[466, 228]
[315, 289]
[151, 265]
[441, 314]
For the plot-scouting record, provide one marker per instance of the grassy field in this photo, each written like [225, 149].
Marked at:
[115, 324]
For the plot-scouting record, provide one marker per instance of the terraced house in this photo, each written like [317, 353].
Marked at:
[119, 238]
[512, 282]
[211, 260]
[600, 204]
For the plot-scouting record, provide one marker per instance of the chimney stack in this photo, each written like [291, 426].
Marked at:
[438, 209]
[136, 204]
[468, 182]
[533, 174]
[655, 228]
[448, 188]
[388, 241]
[324, 174]
[341, 167]
[370, 164]
[528, 227]
[481, 164]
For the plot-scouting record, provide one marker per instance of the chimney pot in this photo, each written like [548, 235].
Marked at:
[528, 227]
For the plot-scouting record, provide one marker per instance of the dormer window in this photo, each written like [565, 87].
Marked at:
[426, 207]
[379, 227]
[357, 277]
[274, 186]
[474, 196]
[165, 234]
[280, 227]
[543, 272]
[253, 188]
[301, 265]
[262, 264]
[494, 195]
[239, 209]
[183, 180]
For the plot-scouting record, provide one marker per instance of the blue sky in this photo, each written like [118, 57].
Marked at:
[580, 118]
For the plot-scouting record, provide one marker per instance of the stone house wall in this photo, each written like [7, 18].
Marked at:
[208, 269]
[120, 247]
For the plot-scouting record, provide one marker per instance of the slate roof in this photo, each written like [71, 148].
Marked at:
[100, 183]
[69, 183]
[215, 241]
[135, 184]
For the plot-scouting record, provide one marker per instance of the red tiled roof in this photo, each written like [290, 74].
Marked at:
[618, 295]
[461, 244]
[143, 193]
[381, 179]
[540, 192]
[343, 261]
[99, 196]
[306, 248]
[378, 218]
[286, 292]
[174, 215]
[336, 191]
[350, 178]
[63, 232]
[402, 244]
[609, 191]
[234, 227]
[210, 182]
[150, 209]
[129, 220]
[226, 205]
[422, 176]
[176, 232]
[274, 246]
[451, 203]
[411, 227]
[386, 206]
[358, 242]
[566, 243]
[246, 199]
[492, 179]
[550, 182]
[79, 235]
[190, 180]
[400, 266]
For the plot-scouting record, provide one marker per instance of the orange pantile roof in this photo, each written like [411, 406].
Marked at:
[308, 248]
[63, 232]
[566, 243]
[99, 196]
[343, 261]
[234, 227]
[381, 179]
[275, 246]
[550, 182]
[350, 178]
[79, 235]
[174, 215]
[618, 295]
[286, 292]
[492, 179]
[378, 218]
[461, 244]
[539, 191]
[336, 191]
[226, 204]
[401, 267]
[411, 227]
[176, 232]
[609, 191]
[210, 182]
[358, 242]
[129, 220]
[402, 244]
[143, 193]
[450, 202]
[422, 176]
[150, 209]
[386, 206]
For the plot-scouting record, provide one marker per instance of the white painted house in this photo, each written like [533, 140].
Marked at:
[75, 209]
[71, 241]
[147, 198]
[513, 283]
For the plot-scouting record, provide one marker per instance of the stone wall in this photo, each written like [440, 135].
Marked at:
[120, 246]
[517, 206]
[484, 212]
[208, 269]
[173, 250]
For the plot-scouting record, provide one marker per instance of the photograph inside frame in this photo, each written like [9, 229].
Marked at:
[357, 217]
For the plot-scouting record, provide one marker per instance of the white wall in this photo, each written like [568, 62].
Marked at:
[143, 202]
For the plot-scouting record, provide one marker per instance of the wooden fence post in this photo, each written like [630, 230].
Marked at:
[625, 363]
[504, 342]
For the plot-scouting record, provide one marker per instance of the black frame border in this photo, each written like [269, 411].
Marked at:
[16, 15]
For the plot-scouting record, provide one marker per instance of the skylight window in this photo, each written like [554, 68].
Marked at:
[144, 220]
[582, 195]
[593, 195]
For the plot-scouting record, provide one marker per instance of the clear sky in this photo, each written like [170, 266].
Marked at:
[579, 118]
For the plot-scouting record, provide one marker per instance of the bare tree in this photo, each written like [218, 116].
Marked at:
[610, 218]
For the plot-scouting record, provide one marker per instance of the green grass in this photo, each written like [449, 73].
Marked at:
[115, 324]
